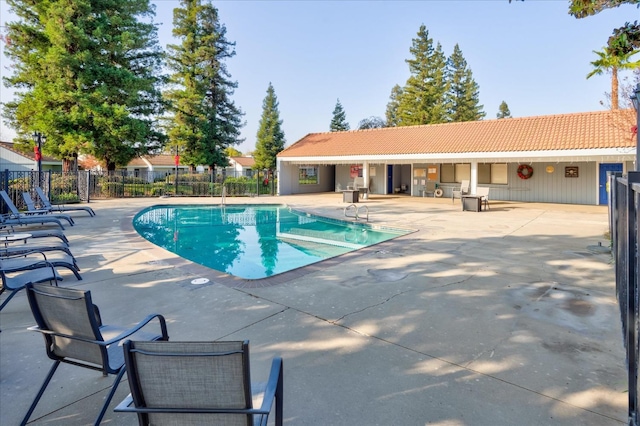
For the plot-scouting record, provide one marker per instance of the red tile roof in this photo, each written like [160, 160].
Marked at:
[589, 130]
[244, 161]
[155, 160]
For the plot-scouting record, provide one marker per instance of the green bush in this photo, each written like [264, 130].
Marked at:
[65, 198]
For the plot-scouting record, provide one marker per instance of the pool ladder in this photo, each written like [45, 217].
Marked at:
[356, 210]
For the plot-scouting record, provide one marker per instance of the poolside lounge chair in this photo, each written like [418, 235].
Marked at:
[31, 209]
[17, 218]
[197, 383]
[46, 204]
[458, 193]
[73, 333]
[35, 233]
[8, 220]
[15, 277]
[483, 192]
[22, 261]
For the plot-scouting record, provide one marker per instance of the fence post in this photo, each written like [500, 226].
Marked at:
[5, 186]
[88, 185]
[632, 283]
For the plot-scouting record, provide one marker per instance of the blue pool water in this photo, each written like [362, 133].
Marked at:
[253, 241]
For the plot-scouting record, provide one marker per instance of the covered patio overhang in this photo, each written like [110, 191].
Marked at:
[596, 155]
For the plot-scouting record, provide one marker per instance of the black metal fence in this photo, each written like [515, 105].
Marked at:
[624, 205]
[83, 186]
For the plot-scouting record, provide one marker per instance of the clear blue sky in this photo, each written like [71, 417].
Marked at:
[531, 54]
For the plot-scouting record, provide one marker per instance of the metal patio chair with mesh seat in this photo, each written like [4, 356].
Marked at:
[483, 193]
[197, 383]
[32, 209]
[29, 269]
[46, 204]
[17, 218]
[74, 334]
[463, 190]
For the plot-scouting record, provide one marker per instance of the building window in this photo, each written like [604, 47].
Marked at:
[493, 173]
[455, 173]
[308, 175]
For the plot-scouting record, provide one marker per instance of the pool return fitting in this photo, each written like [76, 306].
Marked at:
[356, 210]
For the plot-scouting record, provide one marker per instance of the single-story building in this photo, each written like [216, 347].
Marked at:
[561, 158]
[18, 161]
[158, 164]
[165, 164]
[240, 166]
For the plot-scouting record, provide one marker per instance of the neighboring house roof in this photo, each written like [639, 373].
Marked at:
[161, 160]
[244, 161]
[29, 154]
[578, 131]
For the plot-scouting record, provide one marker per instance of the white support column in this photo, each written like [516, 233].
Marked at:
[473, 183]
[365, 178]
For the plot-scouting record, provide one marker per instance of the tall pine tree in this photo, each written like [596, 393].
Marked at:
[86, 76]
[339, 120]
[205, 120]
[503, 111]
[391, 114]
[270, 138]
[423, 99]
[463, 98]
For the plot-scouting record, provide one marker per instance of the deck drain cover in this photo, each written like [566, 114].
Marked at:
[200, 281]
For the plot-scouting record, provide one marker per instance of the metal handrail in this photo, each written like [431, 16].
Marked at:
[358, 212]
[354, 207]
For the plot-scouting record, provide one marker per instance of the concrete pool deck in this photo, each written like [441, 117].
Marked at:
[502, 317]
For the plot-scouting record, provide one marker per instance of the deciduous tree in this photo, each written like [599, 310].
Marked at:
[625, 39]
[371, 123]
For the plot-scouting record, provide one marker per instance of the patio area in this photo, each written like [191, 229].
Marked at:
[500, 317]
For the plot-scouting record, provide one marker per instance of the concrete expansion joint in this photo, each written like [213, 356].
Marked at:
[369, 307]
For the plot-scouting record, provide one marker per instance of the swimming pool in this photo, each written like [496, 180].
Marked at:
[253, 241]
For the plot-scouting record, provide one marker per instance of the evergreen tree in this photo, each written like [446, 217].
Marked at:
[270, 138]
[391, 113]
[205, 120]
[463, 99]
[339, 120]
[423, 99]
[85, 76]
[503, 111]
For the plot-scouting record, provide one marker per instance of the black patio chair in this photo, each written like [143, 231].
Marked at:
[18, 271]
[197, 383]
[74, 334]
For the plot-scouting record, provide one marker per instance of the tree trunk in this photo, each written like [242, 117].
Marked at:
[66, 165]
[111, 166]
[614, 88]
